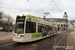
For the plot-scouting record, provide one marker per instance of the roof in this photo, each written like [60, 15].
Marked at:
[38, 18]
[71, 23]
[55, 18]
[71, 20]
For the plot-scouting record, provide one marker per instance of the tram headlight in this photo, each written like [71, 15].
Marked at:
[21, 35]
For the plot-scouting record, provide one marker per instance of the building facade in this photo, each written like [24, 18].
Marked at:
[60, 23]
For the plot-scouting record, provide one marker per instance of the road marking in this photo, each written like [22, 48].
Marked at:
[49, 43]
[59, 42]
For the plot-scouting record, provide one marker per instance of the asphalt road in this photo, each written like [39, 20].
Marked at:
[56, 42]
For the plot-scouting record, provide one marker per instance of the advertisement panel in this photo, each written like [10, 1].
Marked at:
[36, 35]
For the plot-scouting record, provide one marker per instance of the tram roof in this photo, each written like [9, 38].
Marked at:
[38, 18]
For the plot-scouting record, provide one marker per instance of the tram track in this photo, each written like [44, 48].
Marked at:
[15, 44]
[8, 44]
[58, 38]
[59, 42]
[41, 42]
[46, 43]
[49, 42]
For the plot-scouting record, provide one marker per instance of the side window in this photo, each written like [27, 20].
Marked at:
[39, 27]
[46, 27]
[30, 27]
[50, 27]
[42, 26]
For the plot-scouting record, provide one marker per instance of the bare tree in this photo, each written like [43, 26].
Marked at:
[5, 21]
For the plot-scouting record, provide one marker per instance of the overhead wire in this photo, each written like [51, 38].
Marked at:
[51, 5]
[32, 6]
[51, 9]
[37, 6]
[56, 6]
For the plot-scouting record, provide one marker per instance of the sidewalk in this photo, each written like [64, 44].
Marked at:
[5, 33]
[71, 41]
[6, 38]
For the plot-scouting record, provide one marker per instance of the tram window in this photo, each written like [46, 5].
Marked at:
[50, 28]
[42, 26]
[46, 27]
[39, 28]
[30, 27]
[19, 27]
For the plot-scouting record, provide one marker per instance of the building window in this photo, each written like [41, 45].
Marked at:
[61, 25]
[66, 21]
[66, 25]
[58, 25]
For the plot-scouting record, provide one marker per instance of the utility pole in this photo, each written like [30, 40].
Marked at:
[53, 26]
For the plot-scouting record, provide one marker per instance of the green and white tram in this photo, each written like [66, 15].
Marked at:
[31, 28]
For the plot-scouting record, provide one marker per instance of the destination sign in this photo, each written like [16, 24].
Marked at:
[20, 19]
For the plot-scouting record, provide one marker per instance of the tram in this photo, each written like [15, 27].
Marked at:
[31, 28]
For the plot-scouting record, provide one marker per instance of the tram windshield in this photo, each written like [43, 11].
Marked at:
[19, 27]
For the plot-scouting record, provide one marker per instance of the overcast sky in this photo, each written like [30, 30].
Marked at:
[38, 7]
